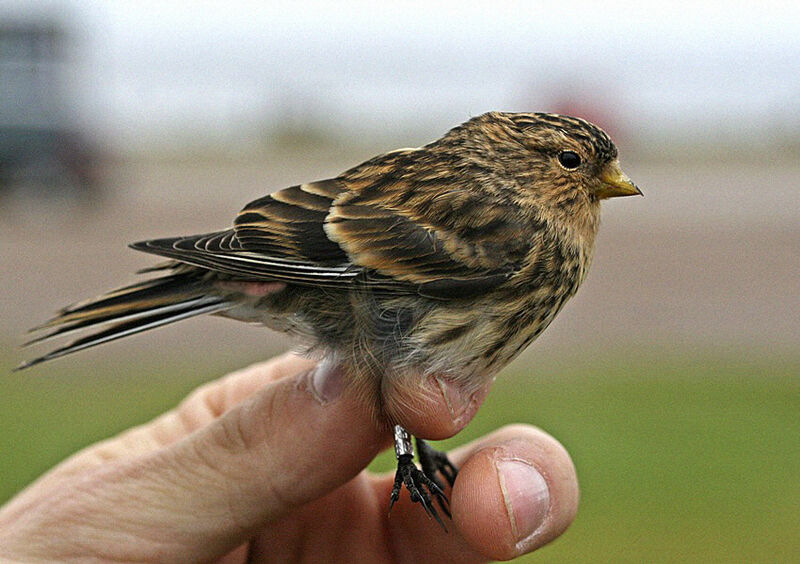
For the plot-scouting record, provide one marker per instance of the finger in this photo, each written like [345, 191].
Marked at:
[435, 407]
[202, 406]
[516, 491]
[290, 442]
[211, 400]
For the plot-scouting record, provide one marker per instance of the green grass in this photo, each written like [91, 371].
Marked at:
[680, 458]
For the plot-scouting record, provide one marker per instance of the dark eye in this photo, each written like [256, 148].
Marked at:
[569, 159]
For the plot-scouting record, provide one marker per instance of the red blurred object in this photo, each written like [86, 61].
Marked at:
[591, 107]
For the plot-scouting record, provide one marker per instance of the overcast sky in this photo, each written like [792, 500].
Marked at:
[183, 69]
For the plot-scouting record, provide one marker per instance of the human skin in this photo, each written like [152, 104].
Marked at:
[267, 464]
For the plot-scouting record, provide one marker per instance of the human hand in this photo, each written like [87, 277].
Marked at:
[268, 464]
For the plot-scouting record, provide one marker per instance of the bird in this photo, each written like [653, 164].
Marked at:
[446, 259]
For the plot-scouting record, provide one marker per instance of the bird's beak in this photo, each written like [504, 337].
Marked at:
[616, 183]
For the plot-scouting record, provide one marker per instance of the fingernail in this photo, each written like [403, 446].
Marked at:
[457, 402]
[527, 499]
[327, 381]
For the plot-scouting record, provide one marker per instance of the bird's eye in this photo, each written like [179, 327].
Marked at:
[569, 159]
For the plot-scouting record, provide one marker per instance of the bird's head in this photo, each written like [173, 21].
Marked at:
[559, 158]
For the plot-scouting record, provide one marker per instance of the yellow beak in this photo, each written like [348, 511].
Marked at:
[616, 183]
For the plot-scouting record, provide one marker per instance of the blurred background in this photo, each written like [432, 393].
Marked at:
[673, 376]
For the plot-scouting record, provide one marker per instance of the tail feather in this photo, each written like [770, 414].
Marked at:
[140, 296]
[116, 315]
[135, 308]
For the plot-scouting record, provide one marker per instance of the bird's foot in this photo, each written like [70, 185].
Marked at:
[421, 487]
[433, 461]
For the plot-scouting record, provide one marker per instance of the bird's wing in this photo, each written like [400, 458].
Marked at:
[335, 233]
[417, 220]
[277, 237]
[288, 224]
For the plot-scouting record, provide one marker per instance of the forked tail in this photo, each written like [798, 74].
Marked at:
[132, 309]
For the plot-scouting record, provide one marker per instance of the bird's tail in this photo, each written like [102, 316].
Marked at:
[130, 310]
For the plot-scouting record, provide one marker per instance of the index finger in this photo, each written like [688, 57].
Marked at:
[201, 407]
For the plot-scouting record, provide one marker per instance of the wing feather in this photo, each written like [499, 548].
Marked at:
[368, 228]
[289, 224]
[214, 252]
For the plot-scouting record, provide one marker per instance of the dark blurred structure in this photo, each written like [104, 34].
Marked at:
[40, 145]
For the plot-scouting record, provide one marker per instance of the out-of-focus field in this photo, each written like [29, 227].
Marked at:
[673, 377]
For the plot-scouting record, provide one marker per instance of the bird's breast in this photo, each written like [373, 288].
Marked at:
[488, 333]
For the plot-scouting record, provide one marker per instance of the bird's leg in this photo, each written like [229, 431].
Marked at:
[421, 487]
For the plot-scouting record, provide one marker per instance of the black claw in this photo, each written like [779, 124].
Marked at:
[448, 470]
[433, 461]
[420, 487]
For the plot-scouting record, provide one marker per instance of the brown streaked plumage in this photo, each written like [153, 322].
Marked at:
[448, 258]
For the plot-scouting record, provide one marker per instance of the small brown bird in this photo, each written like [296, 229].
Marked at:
[445, 259]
